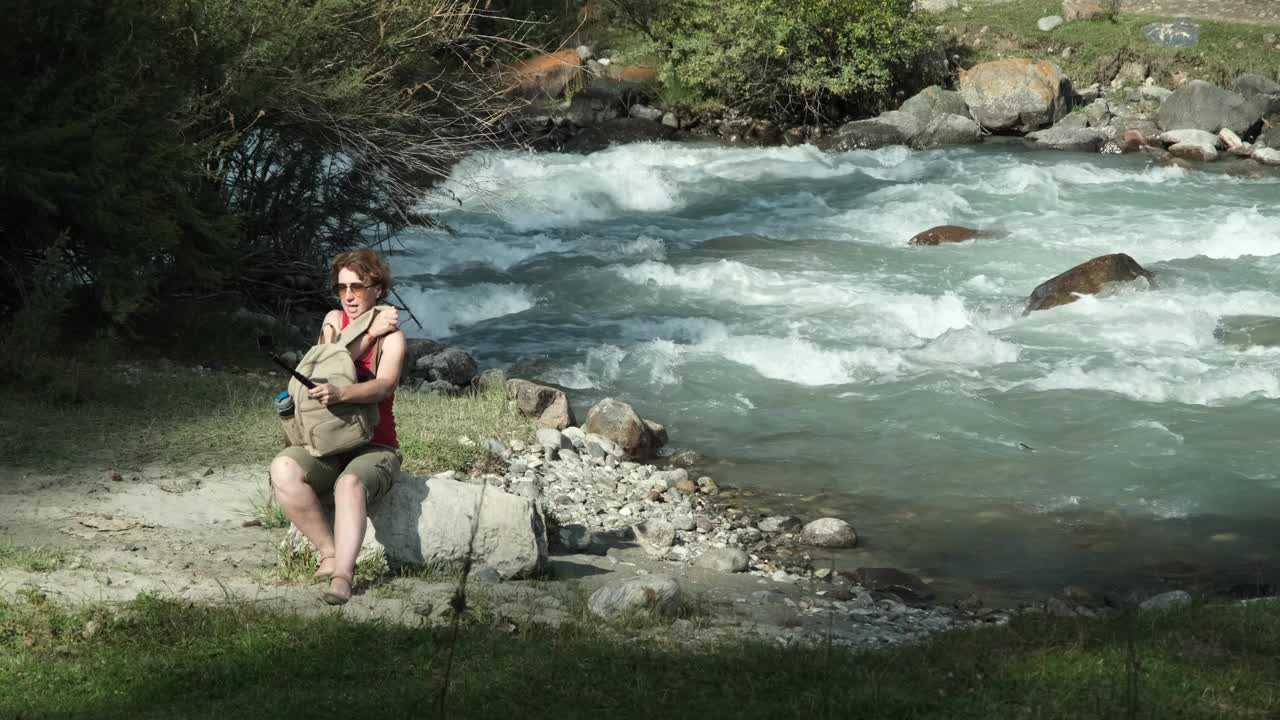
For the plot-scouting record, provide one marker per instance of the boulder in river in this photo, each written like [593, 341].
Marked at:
[864, 135]
[947, 129]
[1089, 278]
[1066, 138]
[944, 234]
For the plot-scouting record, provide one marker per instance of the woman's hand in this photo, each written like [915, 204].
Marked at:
[327, 394]
[386, 322]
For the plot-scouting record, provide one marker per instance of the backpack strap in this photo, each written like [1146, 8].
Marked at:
[358, 327]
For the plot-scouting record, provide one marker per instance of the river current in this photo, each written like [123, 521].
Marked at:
[764, 304]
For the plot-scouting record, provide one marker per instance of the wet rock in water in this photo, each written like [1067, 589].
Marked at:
[658, 432]
[891, 580]
[707, 486]
[686, 458]
[1066, 138]
[863, 135]
[725, 560]
[660, 594]
[1267, 156]
[619, 422]
[1194, 151]
[944, 234]
[1205, 106]
[829, 532]
[947, 129]
[1167, 601]
[546, 405]
[1229, 140]
[1089, 278]
[1016, 94]
[780, 523]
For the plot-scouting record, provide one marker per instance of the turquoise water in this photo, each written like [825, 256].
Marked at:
[764, 305]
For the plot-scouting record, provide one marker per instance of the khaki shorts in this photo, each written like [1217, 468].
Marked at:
[375, 465]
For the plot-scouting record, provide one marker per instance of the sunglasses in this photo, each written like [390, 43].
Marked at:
[358, 288]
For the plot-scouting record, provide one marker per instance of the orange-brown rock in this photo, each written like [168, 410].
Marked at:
[944, 234]
[1016, 94]
[631, 73]
[547, 406]
[543, 75]
[1082, 10]
[1088, 278]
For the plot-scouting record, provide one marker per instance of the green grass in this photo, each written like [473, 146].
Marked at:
[156, 659]
[183, 416]
[1225, 51]
[33, 558]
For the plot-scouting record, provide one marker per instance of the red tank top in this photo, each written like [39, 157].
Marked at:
[385, 433]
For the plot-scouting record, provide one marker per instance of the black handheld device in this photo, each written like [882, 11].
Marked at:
[306, 382]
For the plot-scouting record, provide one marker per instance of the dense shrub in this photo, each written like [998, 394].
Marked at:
[810, 58]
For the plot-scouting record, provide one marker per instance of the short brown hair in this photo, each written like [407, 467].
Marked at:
[368, 264]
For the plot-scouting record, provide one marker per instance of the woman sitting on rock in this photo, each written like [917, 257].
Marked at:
[361, 280]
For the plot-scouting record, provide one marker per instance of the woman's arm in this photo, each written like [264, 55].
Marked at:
[329, 328]
[369, 391]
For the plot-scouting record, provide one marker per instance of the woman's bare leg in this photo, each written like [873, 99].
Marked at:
[348, 527]
[302, 507]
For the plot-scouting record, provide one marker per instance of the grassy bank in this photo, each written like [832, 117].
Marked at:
[124, 415]
[156, 659]
[1008, 29]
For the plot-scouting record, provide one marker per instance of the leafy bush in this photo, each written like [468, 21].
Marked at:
[810, 58]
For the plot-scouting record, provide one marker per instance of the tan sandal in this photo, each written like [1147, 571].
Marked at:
[332, 598]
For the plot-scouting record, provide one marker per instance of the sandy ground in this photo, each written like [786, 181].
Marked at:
[183, 534]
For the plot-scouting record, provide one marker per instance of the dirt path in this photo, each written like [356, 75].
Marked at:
[1263, 12]
[183, 534]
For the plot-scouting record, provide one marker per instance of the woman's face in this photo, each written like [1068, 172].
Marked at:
[355, 294]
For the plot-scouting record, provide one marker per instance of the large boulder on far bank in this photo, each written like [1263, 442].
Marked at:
[547, 406]
[1016, 94]
[619, 422]
[1066, 138]
[1089, 278]
[944, 234]
[933, 101]
[1260, 90]
[451, 365]
[947, 129]
[1205, 106]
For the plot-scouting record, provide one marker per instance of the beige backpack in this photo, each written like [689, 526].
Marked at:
[331, 429]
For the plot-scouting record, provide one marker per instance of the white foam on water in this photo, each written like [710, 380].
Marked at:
[895, 214]
[736, 282]
[1231, 233]
[966, 348]
[1158, 426]
[1161, 380]
[443, 311]
[436, 253]
[797, 360]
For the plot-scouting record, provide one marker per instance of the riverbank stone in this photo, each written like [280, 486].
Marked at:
[829, 532]
[1016, 94]
[1087, 278]
[660, 594]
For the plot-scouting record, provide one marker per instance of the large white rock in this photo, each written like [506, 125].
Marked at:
[424, 521]
[429, 521]
[829, 532]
